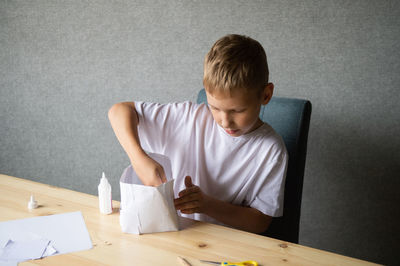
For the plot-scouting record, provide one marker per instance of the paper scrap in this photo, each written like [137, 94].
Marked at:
[21, 251]
[50, 250]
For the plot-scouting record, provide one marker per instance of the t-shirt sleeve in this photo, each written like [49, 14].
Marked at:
[267, 194]
[161, 124]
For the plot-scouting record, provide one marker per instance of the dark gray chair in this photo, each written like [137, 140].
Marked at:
[291, 119]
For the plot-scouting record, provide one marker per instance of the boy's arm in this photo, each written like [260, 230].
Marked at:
[124, 121]
[193, 200]
[240, 217]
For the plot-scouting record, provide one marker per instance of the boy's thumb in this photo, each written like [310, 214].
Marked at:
[188, 181]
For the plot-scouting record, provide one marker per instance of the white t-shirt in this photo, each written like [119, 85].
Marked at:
[248, 170]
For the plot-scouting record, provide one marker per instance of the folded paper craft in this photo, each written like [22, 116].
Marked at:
[146, 209]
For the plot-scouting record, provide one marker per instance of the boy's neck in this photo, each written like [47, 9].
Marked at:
[258, 124]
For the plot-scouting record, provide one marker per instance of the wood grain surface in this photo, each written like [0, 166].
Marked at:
[195, 241]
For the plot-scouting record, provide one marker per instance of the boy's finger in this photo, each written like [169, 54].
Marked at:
[156, 183]
[188, 190]
[187, 198]
[187, 205]
[188, 181]
[190, 211]
[161, 175]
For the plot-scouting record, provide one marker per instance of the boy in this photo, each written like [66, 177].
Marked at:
[229, 166]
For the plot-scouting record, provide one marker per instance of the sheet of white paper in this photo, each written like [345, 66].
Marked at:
[67, 232]
[8, 263]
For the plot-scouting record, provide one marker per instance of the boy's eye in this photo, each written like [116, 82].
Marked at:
[230, 111]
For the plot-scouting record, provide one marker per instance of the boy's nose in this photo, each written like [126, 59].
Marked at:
[225, 121]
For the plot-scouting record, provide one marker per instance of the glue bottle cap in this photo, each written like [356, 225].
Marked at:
[103, 179]
[32, 204]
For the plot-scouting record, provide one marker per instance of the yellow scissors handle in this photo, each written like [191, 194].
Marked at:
[243, 263]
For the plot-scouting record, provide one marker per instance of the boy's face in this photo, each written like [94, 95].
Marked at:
[238, 114]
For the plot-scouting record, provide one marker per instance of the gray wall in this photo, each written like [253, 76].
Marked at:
[64, 63]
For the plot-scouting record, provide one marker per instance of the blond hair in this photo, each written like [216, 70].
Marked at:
[235, 62]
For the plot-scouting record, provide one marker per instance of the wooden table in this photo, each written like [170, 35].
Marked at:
[198, 240]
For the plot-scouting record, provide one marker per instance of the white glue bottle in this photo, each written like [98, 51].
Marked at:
[105, 200]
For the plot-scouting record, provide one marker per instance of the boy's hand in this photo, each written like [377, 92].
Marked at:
[150, 172]
[191, 199]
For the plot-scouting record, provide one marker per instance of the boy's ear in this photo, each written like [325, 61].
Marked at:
[268, 92]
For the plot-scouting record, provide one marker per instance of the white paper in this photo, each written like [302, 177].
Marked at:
[24, 250]
[146, 209]
[8, 263]
[4, 242]
[64, 233]
[50, 250]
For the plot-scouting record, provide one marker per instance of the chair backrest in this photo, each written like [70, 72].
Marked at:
[291, 119]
